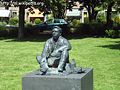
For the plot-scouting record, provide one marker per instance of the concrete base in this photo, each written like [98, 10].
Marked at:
[83, 81]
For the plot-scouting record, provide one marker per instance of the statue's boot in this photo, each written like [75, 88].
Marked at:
[43, 64]
[61, 66]
[63, 61]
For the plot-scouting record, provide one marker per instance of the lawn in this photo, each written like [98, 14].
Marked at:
[102, 54]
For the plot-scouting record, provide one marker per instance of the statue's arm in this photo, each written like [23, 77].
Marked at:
[67, 43]
[66, 46]
[61, 48]
[45, 50]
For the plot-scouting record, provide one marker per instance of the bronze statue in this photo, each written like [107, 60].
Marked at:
[55, 53]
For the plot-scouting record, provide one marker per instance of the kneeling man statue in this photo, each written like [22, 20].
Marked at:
[55, 53]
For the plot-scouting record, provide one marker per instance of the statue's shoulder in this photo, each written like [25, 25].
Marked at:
[49, 40]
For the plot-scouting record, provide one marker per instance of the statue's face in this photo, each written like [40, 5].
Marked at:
[56, 33]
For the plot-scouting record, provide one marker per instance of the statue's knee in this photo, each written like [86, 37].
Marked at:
[38, 58]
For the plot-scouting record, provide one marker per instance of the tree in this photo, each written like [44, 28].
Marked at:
[109, 12]
[21, 21]
[8, 3]
[57, 7]
[92, 6]
[109, 5]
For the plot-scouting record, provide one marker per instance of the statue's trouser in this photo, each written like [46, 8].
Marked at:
[43, 63]
[64, 58]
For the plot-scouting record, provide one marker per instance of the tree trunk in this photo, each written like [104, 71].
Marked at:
[21, 21]
[94, 13]
[109, 12]
[91, 13]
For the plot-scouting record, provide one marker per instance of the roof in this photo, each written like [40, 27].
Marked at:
[4, 13]
[74, 12]
[36, 14]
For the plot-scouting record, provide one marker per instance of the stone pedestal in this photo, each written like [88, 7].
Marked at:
[83, 81]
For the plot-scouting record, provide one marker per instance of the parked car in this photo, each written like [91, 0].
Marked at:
[49, 24]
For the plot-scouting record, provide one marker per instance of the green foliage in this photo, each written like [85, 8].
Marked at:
[93, 7]
[2, 28]
[28, 24]
[2, 25]
[90, 29]
[13, 21]
[37, 21]
[58, 8]
[86, 20]
[75, 23]
[101, 17]
[50, 16]
[113, 33]
[116, 19]
[109, 5]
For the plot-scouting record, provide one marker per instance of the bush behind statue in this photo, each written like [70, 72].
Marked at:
[37, 21]
[113, 33]
[2, 25]
[90, 29]
[75, 23]
[13, 21]
[3, 31]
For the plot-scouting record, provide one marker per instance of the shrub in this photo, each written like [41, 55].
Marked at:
[2, 28]
[13, 21]
[116, 19]
[28, 24]
[75, 23]
[86, 20]
[28, 28]
[2, 25]
[116, 22]
[101, 17]
[90, 29]
[113, 33]
[3, 31]
[37, 21]
[83, 29]
[97, 28]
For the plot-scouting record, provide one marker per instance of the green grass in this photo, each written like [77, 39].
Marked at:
[102, 54]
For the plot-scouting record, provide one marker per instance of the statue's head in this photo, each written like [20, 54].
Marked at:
[56, 32]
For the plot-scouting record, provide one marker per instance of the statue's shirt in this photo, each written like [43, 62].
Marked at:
[55, 47]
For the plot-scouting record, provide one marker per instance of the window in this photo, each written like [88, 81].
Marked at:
[14, 14]
[85, 14]
[56, 21]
